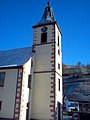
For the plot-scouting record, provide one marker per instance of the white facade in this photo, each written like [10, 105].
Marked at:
[25, 92]
[7, 93]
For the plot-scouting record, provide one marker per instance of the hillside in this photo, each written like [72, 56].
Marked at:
[76, 81]
[75, 71]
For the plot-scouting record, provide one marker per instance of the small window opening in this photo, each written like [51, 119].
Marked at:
[59, 84]
[58, 52]
[29, 81]
[43, 37]
[58, 66]
[58, 40]
[2, 78]
[0, 105]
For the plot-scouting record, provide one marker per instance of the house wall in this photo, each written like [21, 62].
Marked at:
[46, 74]
[43, 89]
[58, 73]
[41, 97]
[8, 93]
[15, 94]
[25, 92]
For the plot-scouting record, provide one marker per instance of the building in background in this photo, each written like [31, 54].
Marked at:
[31, 78]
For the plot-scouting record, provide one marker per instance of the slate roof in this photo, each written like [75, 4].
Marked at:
[15, 57]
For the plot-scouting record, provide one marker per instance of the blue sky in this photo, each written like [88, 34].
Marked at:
[73, 16]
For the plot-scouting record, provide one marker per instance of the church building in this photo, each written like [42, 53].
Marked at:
[31, 78]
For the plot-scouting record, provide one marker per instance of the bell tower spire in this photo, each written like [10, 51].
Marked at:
[48, 15]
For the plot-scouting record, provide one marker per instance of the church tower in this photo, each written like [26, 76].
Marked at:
[46, 101]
